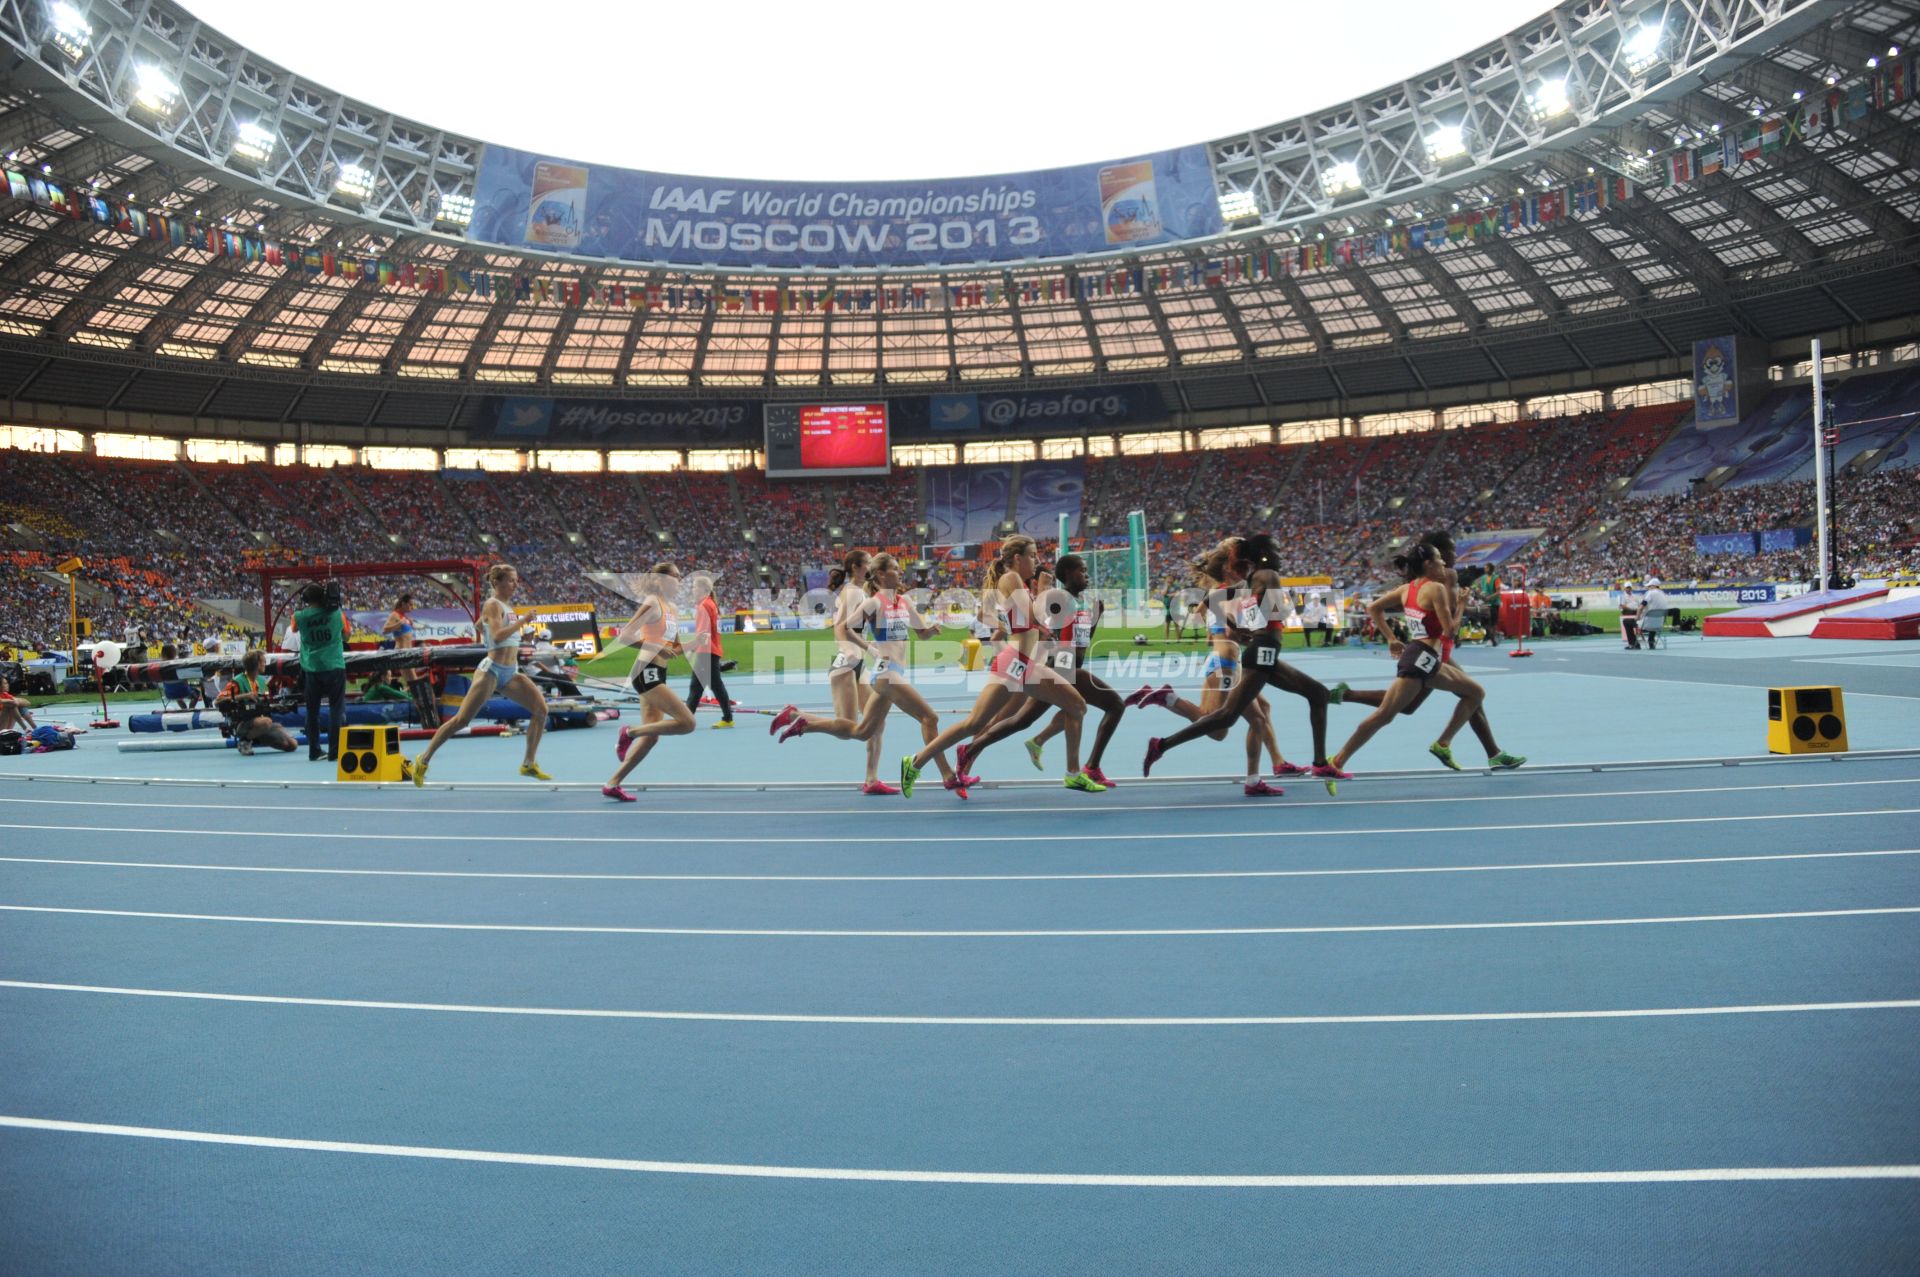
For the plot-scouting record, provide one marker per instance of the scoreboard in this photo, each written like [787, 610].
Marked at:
[826, 439]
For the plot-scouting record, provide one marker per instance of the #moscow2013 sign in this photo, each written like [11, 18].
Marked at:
[526, 200]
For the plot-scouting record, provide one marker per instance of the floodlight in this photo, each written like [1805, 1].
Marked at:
[455, 210]
[1551, 97]
[354, 182]
[1446, 142]
[1642, 48]
[1235, 205]
[1343, 175]
[154, 89]
[254, 142]
[68, 30]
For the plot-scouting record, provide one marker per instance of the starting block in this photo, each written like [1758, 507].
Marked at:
[373, 753]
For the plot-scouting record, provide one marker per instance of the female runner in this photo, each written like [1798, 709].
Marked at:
[654, 625]
[893, 617]
[1427, 598]
[1259, 632]
[851, 697]
[1498, 759]
[499, 629]
[1014, 672]
[1073, 625]
[1217, 574]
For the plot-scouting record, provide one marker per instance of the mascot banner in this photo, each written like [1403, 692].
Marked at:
[1716, 382]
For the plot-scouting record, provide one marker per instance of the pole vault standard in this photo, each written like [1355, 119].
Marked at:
[1822, 574]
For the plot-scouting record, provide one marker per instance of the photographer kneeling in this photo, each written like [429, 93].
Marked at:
[244, 701]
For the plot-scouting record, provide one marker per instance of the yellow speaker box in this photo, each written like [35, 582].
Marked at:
[1806, 720]
[372, 753]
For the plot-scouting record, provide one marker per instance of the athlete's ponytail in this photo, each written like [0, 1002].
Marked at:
[1413, 563]
[1211, 565]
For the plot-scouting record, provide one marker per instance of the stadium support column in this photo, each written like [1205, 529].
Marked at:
[1823, 572]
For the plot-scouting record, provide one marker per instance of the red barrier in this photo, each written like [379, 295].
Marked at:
[1516, 614]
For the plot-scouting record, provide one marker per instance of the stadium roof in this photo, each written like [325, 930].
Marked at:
[1752, 171]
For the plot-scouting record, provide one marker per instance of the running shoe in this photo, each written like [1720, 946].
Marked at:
[1033, 751]
[960, 756]
[965, 780]
[1099, 777]
[1154, 750]
[1284, 768]
[1084, 783]
[1330, 774]
[1445, 754]
[1337, 693]
[781, 719]
[798, 728]
[958, 784]
[1137, 695]
[620, 742]
[1261, 789]
[533, 770]
[725, 722]
[419, 773]
[616, 793]
[1162, 696]
[908, 774]
[875, 788]
[1505, 762]
[244, 748]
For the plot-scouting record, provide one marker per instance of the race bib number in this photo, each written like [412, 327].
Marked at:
[1426, 660]
[1266, 656]
[1083, 631]
[1252, 615]
[841, 661]
[1017, 668]
[1062, 660]
[883, 666]
[650, 677]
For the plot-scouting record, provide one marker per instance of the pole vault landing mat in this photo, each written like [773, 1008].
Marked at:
[1894, 619]
[1787, 616]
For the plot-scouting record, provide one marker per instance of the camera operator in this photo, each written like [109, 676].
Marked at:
[323, 662]
[245, 703]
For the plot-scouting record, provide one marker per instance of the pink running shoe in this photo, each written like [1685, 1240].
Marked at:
[875, 788]
[618, 794]
[960, 756]
[1289, 769]
[959, 785]
[797, 728]
[1154, 750]
[1136, 696]
[1331, 775]
[1098, 777]
[620, 742]
[965, 780]
[781, 719]
[1261, 789]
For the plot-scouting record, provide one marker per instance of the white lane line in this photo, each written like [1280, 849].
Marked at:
[256, 810]
[982, 1021]
[735, 840]
[1057, 877]
[1488, 1179]
[821, 933]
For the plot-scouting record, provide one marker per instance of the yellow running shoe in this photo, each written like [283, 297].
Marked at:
[419, 773]
[725, 722]
[533, 770]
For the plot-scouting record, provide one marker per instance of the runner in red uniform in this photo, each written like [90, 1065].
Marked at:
[1427, 599]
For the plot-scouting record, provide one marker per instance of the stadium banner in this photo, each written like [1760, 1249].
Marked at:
[1785, 538]
[1724, 543]
[1498, 546]
[610, 420]
[526, 200]
[430, 625]
[1039, 409]
[1715, 383]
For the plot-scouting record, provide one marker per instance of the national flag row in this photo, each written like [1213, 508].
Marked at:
[1887, 86]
